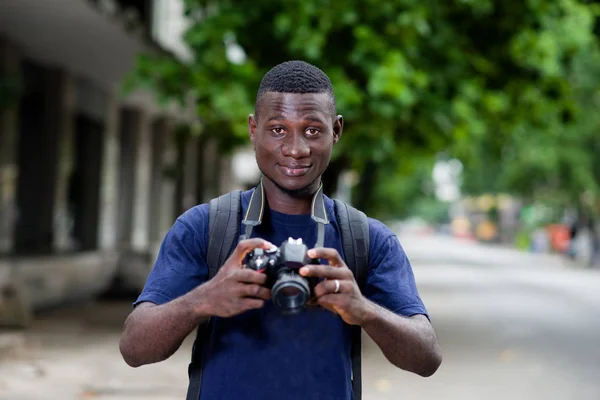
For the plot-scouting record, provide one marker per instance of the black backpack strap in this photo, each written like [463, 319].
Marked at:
[223, 233]
[354, 229]
[223, 229]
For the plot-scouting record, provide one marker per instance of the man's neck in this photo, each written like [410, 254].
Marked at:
[287, 203]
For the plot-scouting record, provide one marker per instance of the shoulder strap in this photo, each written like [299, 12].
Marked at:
[354, 228]
[223, 229]
[223, 232]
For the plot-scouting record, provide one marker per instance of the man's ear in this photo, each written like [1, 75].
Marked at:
[338, 127]
[252, 127]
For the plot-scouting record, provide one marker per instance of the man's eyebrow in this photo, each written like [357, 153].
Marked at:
[282, 118]
[314, 119]
[308, 118]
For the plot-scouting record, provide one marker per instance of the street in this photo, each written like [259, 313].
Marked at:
[511, 325]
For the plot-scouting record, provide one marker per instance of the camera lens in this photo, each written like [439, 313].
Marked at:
[290, 293]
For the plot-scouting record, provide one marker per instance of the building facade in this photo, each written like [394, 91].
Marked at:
[90, 181]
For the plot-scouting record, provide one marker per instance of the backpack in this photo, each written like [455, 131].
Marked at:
[224, 226]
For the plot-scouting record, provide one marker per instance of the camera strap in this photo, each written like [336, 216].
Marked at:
[255, 212]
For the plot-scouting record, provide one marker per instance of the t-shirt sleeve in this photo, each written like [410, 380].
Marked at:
[390, 281]
[180, 265]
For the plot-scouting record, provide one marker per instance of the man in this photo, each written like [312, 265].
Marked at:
[254, 352]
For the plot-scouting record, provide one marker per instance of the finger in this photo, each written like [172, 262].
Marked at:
[325, 271]
[246, 246]
[328, 287]
[255, 291]
[250, 304]
[250, 276]
[328, 254]
[329, 302]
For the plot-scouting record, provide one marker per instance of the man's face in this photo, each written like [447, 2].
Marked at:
[293, 136]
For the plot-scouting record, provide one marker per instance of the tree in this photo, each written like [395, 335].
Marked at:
[410, 76]
[551, 156]
[553, 150]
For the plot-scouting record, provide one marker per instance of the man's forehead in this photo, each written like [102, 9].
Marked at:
[277, 102]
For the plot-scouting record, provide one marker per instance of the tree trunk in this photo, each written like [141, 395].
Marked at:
[363, 196]
[332, 174]
[181, 141]
[200, 170]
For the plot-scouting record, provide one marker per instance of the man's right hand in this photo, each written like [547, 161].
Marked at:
[234, 289]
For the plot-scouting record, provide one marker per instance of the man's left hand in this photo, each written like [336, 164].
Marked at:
[339, 292]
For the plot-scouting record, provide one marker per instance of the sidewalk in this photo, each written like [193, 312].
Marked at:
[74, 354]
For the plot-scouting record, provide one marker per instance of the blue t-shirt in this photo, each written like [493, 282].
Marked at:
[262, 354]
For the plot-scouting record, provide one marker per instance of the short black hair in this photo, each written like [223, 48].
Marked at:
[295, 77]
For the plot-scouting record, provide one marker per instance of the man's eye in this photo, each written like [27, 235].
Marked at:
[278, 131]
[312, 132]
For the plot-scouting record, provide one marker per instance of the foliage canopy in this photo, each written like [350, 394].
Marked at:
[492, 81]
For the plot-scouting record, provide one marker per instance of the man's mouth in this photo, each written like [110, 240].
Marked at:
[294, 170]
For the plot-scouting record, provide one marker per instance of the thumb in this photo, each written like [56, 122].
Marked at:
[246, 246]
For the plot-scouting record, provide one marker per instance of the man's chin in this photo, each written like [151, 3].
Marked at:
[295, 187]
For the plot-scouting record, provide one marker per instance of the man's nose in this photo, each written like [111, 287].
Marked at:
[295, 146]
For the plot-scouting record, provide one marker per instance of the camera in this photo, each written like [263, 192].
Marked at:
[290, 291]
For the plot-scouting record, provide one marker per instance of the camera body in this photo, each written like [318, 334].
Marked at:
[290, 291]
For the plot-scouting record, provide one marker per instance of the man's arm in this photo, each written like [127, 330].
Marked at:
[419, 351]
[407, 342]
[153, 333]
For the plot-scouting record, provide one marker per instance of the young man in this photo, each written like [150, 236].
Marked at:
[253, 351]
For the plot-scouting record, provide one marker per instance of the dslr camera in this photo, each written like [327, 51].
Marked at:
[290, 291]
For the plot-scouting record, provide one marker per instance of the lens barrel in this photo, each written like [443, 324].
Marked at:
[290, 293]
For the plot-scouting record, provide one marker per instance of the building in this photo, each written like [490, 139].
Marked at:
[90, 181]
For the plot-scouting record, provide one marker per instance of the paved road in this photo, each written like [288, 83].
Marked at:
[512, 326]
